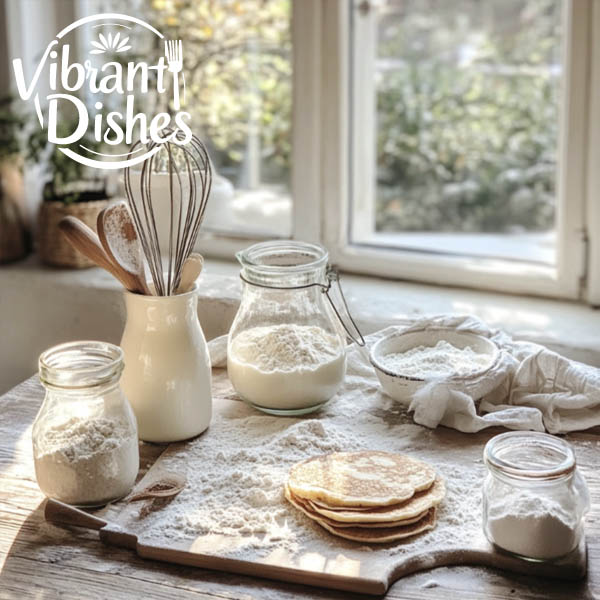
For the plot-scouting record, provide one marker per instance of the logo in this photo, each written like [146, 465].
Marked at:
[107, 79]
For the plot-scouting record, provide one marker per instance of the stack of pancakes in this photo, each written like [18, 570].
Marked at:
[367, 496]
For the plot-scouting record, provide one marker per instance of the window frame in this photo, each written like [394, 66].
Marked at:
[323, 176]
[592, 294]
[509, 276]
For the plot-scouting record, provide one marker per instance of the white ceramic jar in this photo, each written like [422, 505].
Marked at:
[167, 376]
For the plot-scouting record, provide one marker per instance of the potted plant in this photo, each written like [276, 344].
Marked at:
[71, 190]
[14, 237]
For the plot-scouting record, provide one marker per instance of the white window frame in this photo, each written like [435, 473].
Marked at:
[518, 277]
[593, 180]
[307, 35]
[323, 176]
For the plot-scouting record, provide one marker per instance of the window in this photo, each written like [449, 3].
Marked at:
[237, 64]
[446, 141]
[468, 140]
[460, 102]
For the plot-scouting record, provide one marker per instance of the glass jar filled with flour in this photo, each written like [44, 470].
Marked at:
[286, 352]
[85, 443]
[534, 498]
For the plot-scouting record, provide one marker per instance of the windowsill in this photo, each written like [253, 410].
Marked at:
[41, 306]
[535, 247]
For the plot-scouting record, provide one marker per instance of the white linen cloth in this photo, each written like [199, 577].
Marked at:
[532, 387]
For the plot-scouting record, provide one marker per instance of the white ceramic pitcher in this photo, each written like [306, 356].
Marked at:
[167, 375]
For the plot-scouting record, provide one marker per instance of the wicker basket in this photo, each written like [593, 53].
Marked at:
[53, 247]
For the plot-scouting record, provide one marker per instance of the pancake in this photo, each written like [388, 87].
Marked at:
[413, 508]
[379, 535]
[385, 534]
[305, 506]
[360, 479]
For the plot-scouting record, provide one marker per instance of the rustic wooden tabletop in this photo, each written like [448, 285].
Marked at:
[42, 561]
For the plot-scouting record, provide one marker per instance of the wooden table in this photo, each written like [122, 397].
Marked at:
[39, 560]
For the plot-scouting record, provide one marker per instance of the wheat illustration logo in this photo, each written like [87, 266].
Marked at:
[111, 43]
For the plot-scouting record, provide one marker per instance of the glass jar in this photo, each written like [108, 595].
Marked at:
[85, 444]
[534, 498]
[286, 352]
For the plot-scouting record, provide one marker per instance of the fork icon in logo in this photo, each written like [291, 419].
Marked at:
[174, 55]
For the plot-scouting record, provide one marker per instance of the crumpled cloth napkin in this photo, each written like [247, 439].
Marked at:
[532, 388]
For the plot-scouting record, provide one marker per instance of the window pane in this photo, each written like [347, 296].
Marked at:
[238, 75]
[466, 125]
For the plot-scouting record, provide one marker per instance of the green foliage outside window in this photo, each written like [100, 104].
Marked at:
[462, 145]
[237, 64]
[468, 147]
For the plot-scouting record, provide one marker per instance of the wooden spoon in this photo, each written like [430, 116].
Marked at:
[84, 239]
[120, 241]
[167, 483]
[192, 267]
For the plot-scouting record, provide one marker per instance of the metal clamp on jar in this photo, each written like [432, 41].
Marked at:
[534, 498]
[286, 351]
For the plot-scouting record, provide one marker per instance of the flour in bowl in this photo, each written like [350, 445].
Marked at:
[441, 360]
[286, 366]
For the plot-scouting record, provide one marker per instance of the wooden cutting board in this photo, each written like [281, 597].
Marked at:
[336, 563]
[368, 572]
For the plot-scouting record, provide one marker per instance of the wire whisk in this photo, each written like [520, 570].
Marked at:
[190, 178]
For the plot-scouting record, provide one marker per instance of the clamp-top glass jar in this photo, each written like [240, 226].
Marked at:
[85, 443]
[534, 498]
[286, 352]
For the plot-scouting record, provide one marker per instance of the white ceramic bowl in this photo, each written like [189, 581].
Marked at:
[403, 387]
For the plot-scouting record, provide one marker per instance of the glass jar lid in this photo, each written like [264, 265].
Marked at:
[79, 365]
[283, 264]
[529, 456]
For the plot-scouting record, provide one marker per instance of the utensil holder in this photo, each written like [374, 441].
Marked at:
[167, 376]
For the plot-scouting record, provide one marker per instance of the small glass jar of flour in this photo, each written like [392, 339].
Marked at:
[534, 498]
[286, 352]
[85, 443]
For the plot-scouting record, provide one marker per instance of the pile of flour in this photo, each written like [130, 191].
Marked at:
[86, 461]
[237, 469]
[286, 347]
[533, 525]
[441, 360]
[286, 366]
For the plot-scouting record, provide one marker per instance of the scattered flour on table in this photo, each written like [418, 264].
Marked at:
[440, 360]
[237, 469]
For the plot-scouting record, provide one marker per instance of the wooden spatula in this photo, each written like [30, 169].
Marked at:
[120, 241]
[86, 241]
[192, 267]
